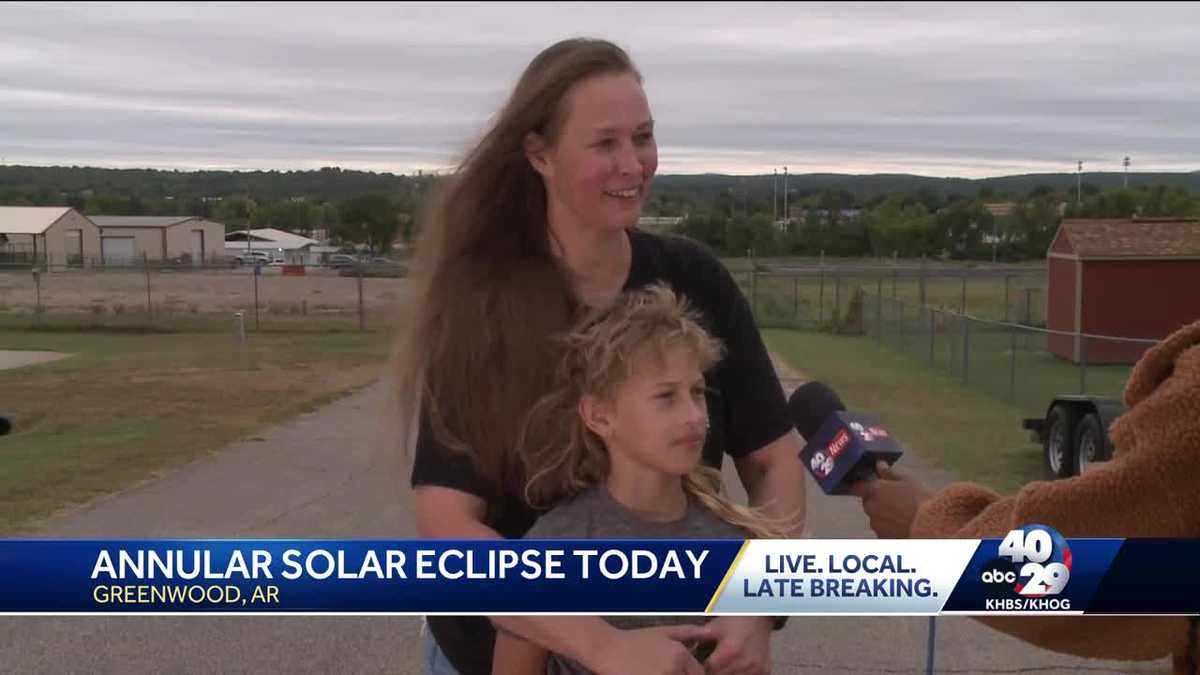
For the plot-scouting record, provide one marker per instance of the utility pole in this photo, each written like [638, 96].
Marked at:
[1126, 163]
[785, 195]
[1079, 189]
[774, 196]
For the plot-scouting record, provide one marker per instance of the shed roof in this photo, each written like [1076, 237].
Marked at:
[139, 221]
[1133, 237]
[278, 238]
[29, 219]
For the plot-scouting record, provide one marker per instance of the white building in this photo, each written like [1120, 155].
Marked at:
[291, 248]
[188, 239]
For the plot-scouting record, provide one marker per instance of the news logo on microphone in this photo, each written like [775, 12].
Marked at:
[1030, 572]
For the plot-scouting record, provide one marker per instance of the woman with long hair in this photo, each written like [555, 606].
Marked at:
[538, 222]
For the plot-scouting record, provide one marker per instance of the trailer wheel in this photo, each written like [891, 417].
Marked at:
[1090, 446]
[1059, 443]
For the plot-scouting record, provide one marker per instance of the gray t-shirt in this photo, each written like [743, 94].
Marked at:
[594, 514]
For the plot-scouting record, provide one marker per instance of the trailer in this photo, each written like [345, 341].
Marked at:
[1074, 433]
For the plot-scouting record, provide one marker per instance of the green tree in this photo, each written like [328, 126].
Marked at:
[369, 219]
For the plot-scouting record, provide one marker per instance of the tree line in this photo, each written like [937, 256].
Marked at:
[838, 215]
[989, 226]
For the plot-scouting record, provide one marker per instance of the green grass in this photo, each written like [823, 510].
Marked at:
[969, 432]
[129, 406]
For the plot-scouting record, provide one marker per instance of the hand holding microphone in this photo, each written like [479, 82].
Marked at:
[843, 447]
[847, 452]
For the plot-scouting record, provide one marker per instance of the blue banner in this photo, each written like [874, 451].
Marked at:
[422, 577]
[1032, 570]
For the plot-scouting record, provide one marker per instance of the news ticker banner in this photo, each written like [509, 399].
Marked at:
[1032, 570]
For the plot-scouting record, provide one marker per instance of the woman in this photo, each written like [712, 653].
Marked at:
[537, 222]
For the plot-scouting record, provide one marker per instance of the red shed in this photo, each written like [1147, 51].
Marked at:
[1133, 278]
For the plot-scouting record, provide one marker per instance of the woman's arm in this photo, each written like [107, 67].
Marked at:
[517, 657]
[774, 480]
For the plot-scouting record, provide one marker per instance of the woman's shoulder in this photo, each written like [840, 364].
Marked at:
[673, 248]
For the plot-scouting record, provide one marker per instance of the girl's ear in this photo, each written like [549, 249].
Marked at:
[597, 415]
[537, 152]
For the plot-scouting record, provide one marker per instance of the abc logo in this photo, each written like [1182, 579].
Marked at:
[999, 573]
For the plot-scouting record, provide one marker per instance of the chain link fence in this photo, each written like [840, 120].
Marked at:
[819, 297]
[152, 295]
[1026, 365]
[983, 326]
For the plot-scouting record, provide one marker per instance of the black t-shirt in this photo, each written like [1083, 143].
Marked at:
[746, 409]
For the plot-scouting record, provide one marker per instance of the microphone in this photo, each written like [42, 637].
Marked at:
[842, 447]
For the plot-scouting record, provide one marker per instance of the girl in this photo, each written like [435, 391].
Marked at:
[618, 447]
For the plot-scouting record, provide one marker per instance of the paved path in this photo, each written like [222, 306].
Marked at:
[18, 358]
[319, 476]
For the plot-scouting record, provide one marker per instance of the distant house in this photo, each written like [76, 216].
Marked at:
[190, 239]
[1000, 209]
[1127, 278]
[800, 213]
[289, 247]
[659, 223]
[47, 235]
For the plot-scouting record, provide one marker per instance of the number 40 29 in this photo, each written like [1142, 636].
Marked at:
[1033, 549]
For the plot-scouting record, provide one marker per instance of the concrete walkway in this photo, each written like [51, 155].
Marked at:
[319, 476]
[17, 358]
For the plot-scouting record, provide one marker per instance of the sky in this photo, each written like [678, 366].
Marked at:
[955, 89]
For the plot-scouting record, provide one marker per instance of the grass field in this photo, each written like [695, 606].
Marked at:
[127, 407]
[969, 432]
[196, 299]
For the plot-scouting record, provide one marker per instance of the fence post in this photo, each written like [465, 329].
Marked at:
[362, 318]
[837, 301]
[966, 346]
[257, 272]
[821, 301]
[1012, 364]
[879, 308]
[37, 291]
[963, 308]
[932, 335]
[146, 269]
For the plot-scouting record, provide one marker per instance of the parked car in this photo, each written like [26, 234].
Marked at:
[254, 258]
[341, 260]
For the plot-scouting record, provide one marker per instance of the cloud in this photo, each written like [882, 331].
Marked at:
[966, 90]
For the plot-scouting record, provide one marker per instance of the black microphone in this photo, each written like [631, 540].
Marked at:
[842, 447]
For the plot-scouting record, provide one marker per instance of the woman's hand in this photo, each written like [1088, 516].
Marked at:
[649, 651]
[743, 645]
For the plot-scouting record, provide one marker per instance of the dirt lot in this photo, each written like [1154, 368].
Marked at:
[207, 292]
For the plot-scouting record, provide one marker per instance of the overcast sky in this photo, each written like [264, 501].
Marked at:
[955, 89]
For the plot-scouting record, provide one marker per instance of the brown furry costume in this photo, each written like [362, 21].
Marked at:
[1150, 489]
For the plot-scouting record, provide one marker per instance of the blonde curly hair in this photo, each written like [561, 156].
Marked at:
[562, 456]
